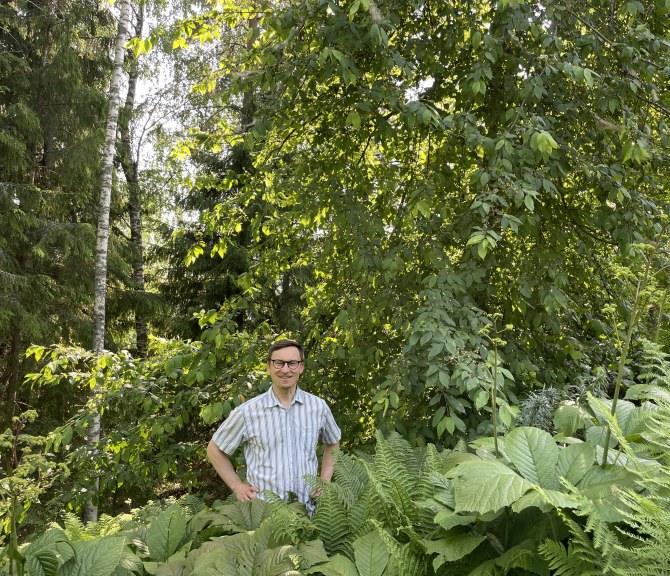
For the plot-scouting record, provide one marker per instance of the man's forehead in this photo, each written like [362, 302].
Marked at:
[289, 353]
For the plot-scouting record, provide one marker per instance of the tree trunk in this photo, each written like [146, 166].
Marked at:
[102, 239]
[130, 166]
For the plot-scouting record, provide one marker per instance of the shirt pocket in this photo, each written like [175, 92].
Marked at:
[308, 439]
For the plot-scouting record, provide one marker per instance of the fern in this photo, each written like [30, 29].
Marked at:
[332, 522]
[350, 477]
[390, 462]
[646, 545]
[406, 559]
[290, 526]
[654, 364]
[566, 562]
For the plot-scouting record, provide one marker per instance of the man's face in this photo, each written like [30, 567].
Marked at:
[285, 378]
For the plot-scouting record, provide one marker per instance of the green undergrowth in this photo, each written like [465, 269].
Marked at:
[546, 505]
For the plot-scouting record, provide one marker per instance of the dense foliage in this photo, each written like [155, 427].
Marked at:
[416, 511]
[459, 207]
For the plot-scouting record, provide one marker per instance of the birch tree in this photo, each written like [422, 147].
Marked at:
[102, 239]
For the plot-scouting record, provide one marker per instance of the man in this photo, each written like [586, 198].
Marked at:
[279, 431]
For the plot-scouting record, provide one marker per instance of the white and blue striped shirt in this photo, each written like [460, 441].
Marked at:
[279, 443]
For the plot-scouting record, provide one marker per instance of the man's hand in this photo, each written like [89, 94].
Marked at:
[245, 492]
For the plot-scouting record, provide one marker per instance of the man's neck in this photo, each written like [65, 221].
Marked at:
[285, 395]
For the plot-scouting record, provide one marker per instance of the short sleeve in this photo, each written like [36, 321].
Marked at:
[330, 432]
[231, 433]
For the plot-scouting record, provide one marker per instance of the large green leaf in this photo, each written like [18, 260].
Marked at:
[98, 557]
[243, 516]
[42, 554]
[568, 418]
[599, 484]
[525, 556]
[370, 554]
[43, 563]
[603, 406]
[312, 552]
[545, 500]
[338, 565]
[454, 546]
[165, 533]
[447, 519]
[575, 461]
[535, 455]
[486, 486]
[174, 566]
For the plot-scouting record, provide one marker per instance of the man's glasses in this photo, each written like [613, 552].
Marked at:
[292, 364]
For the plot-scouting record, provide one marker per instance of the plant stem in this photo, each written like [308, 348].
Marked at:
[641, 285]
[494, 394]
[659, 320]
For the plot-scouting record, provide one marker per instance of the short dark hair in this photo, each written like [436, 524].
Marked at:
[279, 344]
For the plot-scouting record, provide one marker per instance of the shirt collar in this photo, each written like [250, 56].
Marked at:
[271, 399]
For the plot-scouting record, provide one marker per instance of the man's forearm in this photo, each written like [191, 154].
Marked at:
[223, 466]
[225, 469]
[328, 461]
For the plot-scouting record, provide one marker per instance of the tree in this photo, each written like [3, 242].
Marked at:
[129, 160]
[437, 164]
[102, 237]
[52, 72]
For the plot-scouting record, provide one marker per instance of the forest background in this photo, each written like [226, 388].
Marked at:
[460, 208]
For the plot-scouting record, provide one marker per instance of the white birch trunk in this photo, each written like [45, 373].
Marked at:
[102, 240]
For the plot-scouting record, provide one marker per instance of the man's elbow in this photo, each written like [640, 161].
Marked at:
[213, 451]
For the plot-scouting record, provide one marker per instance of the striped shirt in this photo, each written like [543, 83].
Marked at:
[279, 444]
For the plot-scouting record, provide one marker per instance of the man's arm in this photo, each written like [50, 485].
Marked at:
[224, 468]
[328, 461]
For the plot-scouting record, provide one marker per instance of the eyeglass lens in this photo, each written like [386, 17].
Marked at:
[280, 363]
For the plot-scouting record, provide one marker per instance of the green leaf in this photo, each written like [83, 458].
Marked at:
[545, 500]
[575, 461]
[448, 519]
[98, 557]
[371, 554]
[41, 555]
[481, 399]
[354, 120]
[312, 552]
[337, 566]
[486, 486]
[568, 418]
[454, 546]
[535, 455]
[165, 533]
[529, 202]
[447, 423]
[43, 563]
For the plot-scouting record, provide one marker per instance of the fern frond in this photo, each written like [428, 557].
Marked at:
[332, 523]
[73, 527]
[654, 364]
[350, 477]
[645, 537]
[289, 526]
[405, 559]
[191, 504]
[389, 463]
[431, 464]
[410, 457]
[394, 504]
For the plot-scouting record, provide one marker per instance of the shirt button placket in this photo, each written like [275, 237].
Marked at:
[292, 450]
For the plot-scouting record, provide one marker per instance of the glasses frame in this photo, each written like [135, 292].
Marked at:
[279, 364]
